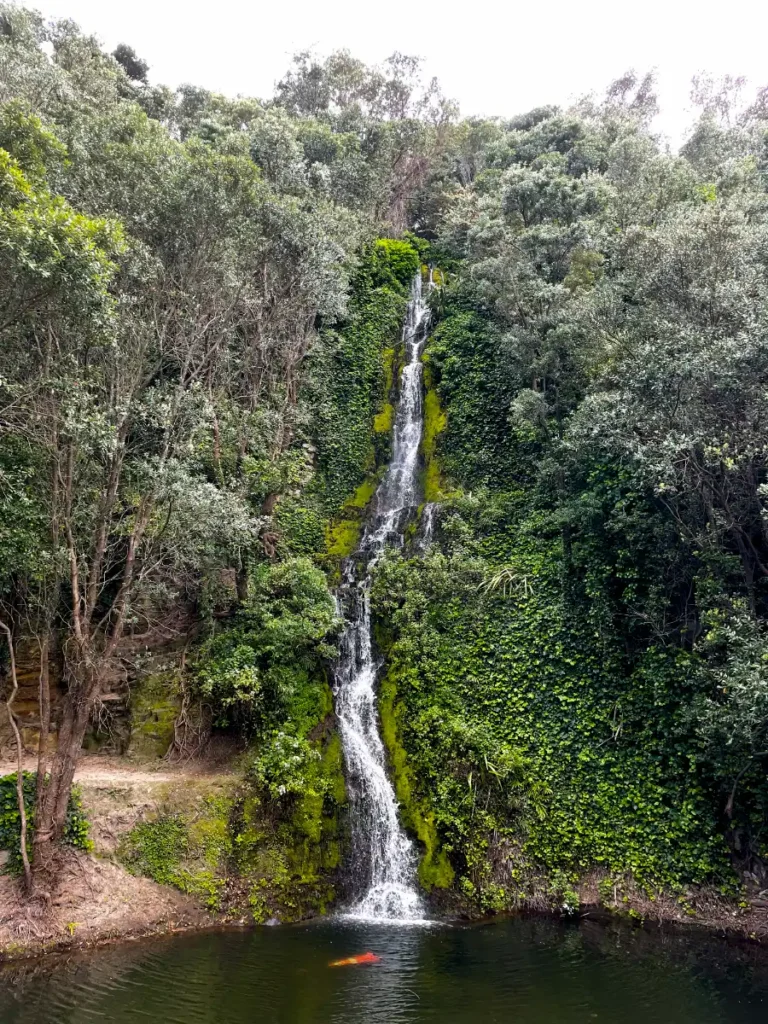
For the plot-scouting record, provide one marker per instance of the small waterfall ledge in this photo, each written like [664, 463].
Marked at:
[384, 860]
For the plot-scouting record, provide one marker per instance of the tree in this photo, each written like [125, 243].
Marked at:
[134, 67]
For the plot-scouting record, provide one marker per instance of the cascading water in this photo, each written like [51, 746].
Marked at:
[384, 860]
[427, 526]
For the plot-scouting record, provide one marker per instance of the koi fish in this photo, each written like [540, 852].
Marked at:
[363, 958]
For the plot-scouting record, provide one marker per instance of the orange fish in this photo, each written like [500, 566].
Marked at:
[363, 958]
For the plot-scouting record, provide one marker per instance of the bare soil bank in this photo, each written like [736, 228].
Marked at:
[95, 901]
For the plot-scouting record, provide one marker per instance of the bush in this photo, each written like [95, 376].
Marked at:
[394, 262]
[75, 833]
[248, 673]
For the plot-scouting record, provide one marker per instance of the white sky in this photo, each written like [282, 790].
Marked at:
[494, 57]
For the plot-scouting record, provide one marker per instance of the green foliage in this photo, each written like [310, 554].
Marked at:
[435, 869]
[286, 765]
[133, 66]
[393, 263]
[200, 331]
[187, 845]
[49, 250]
[521, 728]
[473, 381]
[578, 663]
[34, 147]
[353, 386]
[76, 829]
[23, 522]
[249, 673]
[301, 527]
[385, 420]
[730, 712]
[290, 833]
[155, 848]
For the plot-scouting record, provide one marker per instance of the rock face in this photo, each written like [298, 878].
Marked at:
[139, 699]
[26, 706]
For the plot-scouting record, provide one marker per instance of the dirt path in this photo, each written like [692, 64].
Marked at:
[98, 768]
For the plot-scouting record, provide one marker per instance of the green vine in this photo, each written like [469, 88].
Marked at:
[75, 832]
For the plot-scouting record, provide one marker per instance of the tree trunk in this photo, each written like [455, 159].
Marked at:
[53, 796]
[44, 701]
[19, 759]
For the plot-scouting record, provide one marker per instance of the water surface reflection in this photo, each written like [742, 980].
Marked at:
[523, 971]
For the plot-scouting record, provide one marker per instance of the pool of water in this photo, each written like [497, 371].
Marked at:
[526, 971]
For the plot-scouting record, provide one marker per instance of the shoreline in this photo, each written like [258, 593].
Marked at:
[748, 931]
[98, 903]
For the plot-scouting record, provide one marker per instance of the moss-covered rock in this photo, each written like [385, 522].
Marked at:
[435, 487]
[435, 869]
[384, 421]
[342, 537]
[155, 703]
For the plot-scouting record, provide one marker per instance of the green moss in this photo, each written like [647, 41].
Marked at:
[308, 816]
[435, 869]
[209, 835]
[363, 494]
[388, 362]
[333, 759]
[435, 421]
[155, 703]
[325, 707]
[385, 420]
[341, 537]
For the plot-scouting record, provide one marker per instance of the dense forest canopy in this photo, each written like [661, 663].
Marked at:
[200, 300]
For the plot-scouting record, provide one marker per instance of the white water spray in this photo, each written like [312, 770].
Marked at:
[384, 859]
[427, 526]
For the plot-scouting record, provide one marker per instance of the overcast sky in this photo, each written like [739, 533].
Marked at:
[494, 57]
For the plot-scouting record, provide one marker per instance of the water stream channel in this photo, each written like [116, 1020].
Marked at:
[383, 857]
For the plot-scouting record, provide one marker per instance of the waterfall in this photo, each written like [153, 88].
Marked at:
[427, 526]
[384, 859]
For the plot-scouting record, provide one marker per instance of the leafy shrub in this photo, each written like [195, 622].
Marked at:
[286, 765]
[248, 673]
[394, 262]
[76, 829]
[155, 848]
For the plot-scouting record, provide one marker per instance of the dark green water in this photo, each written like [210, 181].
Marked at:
[521, 971]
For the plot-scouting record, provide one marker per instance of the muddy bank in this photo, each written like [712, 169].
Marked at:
[94, 901]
